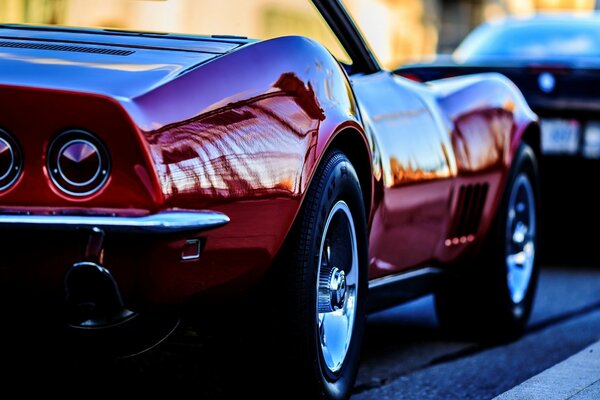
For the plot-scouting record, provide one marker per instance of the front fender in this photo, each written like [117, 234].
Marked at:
[463, 99]
[488, 117]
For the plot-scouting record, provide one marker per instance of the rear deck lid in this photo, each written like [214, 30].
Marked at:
[114, 63]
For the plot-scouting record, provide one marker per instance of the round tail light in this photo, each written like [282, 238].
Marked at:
[11, 160]
[78, 163]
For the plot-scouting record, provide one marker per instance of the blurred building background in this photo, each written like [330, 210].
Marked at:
[398, 30]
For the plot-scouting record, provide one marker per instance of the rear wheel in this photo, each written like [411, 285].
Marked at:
[491, 299]
[323, 273]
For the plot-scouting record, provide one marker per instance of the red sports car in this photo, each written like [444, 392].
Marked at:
[143, 171]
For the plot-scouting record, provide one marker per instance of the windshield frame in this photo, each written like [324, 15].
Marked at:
[347, 32]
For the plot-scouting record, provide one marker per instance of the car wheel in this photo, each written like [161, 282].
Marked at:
[323, 274]
[491, 298]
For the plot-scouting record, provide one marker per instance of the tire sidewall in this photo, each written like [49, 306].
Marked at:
[524, 162]
[342, 184]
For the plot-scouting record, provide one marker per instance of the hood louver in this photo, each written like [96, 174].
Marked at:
[60, 47]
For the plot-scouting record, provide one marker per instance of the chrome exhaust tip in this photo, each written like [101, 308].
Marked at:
[98, 321]
[93, 297]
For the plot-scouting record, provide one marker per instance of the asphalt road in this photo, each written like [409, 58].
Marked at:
[405, 355]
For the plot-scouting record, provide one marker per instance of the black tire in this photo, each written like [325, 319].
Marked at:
[477, 302]
[302, 365]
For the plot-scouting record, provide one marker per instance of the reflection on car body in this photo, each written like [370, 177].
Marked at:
[237, 162]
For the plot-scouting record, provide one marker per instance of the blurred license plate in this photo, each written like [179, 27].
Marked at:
[560, 136]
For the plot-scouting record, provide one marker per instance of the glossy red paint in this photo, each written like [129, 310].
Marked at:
[235, 140]
[36, 116]
[489, 117]
[240, 127]
[247, 147]
[429, 143]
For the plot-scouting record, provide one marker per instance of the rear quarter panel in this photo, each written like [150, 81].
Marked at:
[242, 134]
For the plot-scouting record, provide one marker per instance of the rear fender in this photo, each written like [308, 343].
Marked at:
[245, 138]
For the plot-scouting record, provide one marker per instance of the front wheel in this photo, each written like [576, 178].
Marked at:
[323, 273]
[492, 298]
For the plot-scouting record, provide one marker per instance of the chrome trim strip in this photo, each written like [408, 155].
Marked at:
[391, 279]
[160, 223]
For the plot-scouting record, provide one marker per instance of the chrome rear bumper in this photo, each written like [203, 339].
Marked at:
[160, 223]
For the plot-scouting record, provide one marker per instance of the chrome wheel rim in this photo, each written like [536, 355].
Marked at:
[337, 286]
[520, 238]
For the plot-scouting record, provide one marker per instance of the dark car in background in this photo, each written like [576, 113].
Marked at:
[555, 60]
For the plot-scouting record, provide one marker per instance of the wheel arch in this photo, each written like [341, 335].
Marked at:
[352, 144]
[532, 136]
[348, 138]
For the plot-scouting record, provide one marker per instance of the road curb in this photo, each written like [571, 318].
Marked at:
[576, 378]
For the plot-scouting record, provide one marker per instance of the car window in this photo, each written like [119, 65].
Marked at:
[258, 19]
[534, 40]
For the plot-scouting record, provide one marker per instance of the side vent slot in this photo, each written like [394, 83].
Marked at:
[469, 208]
